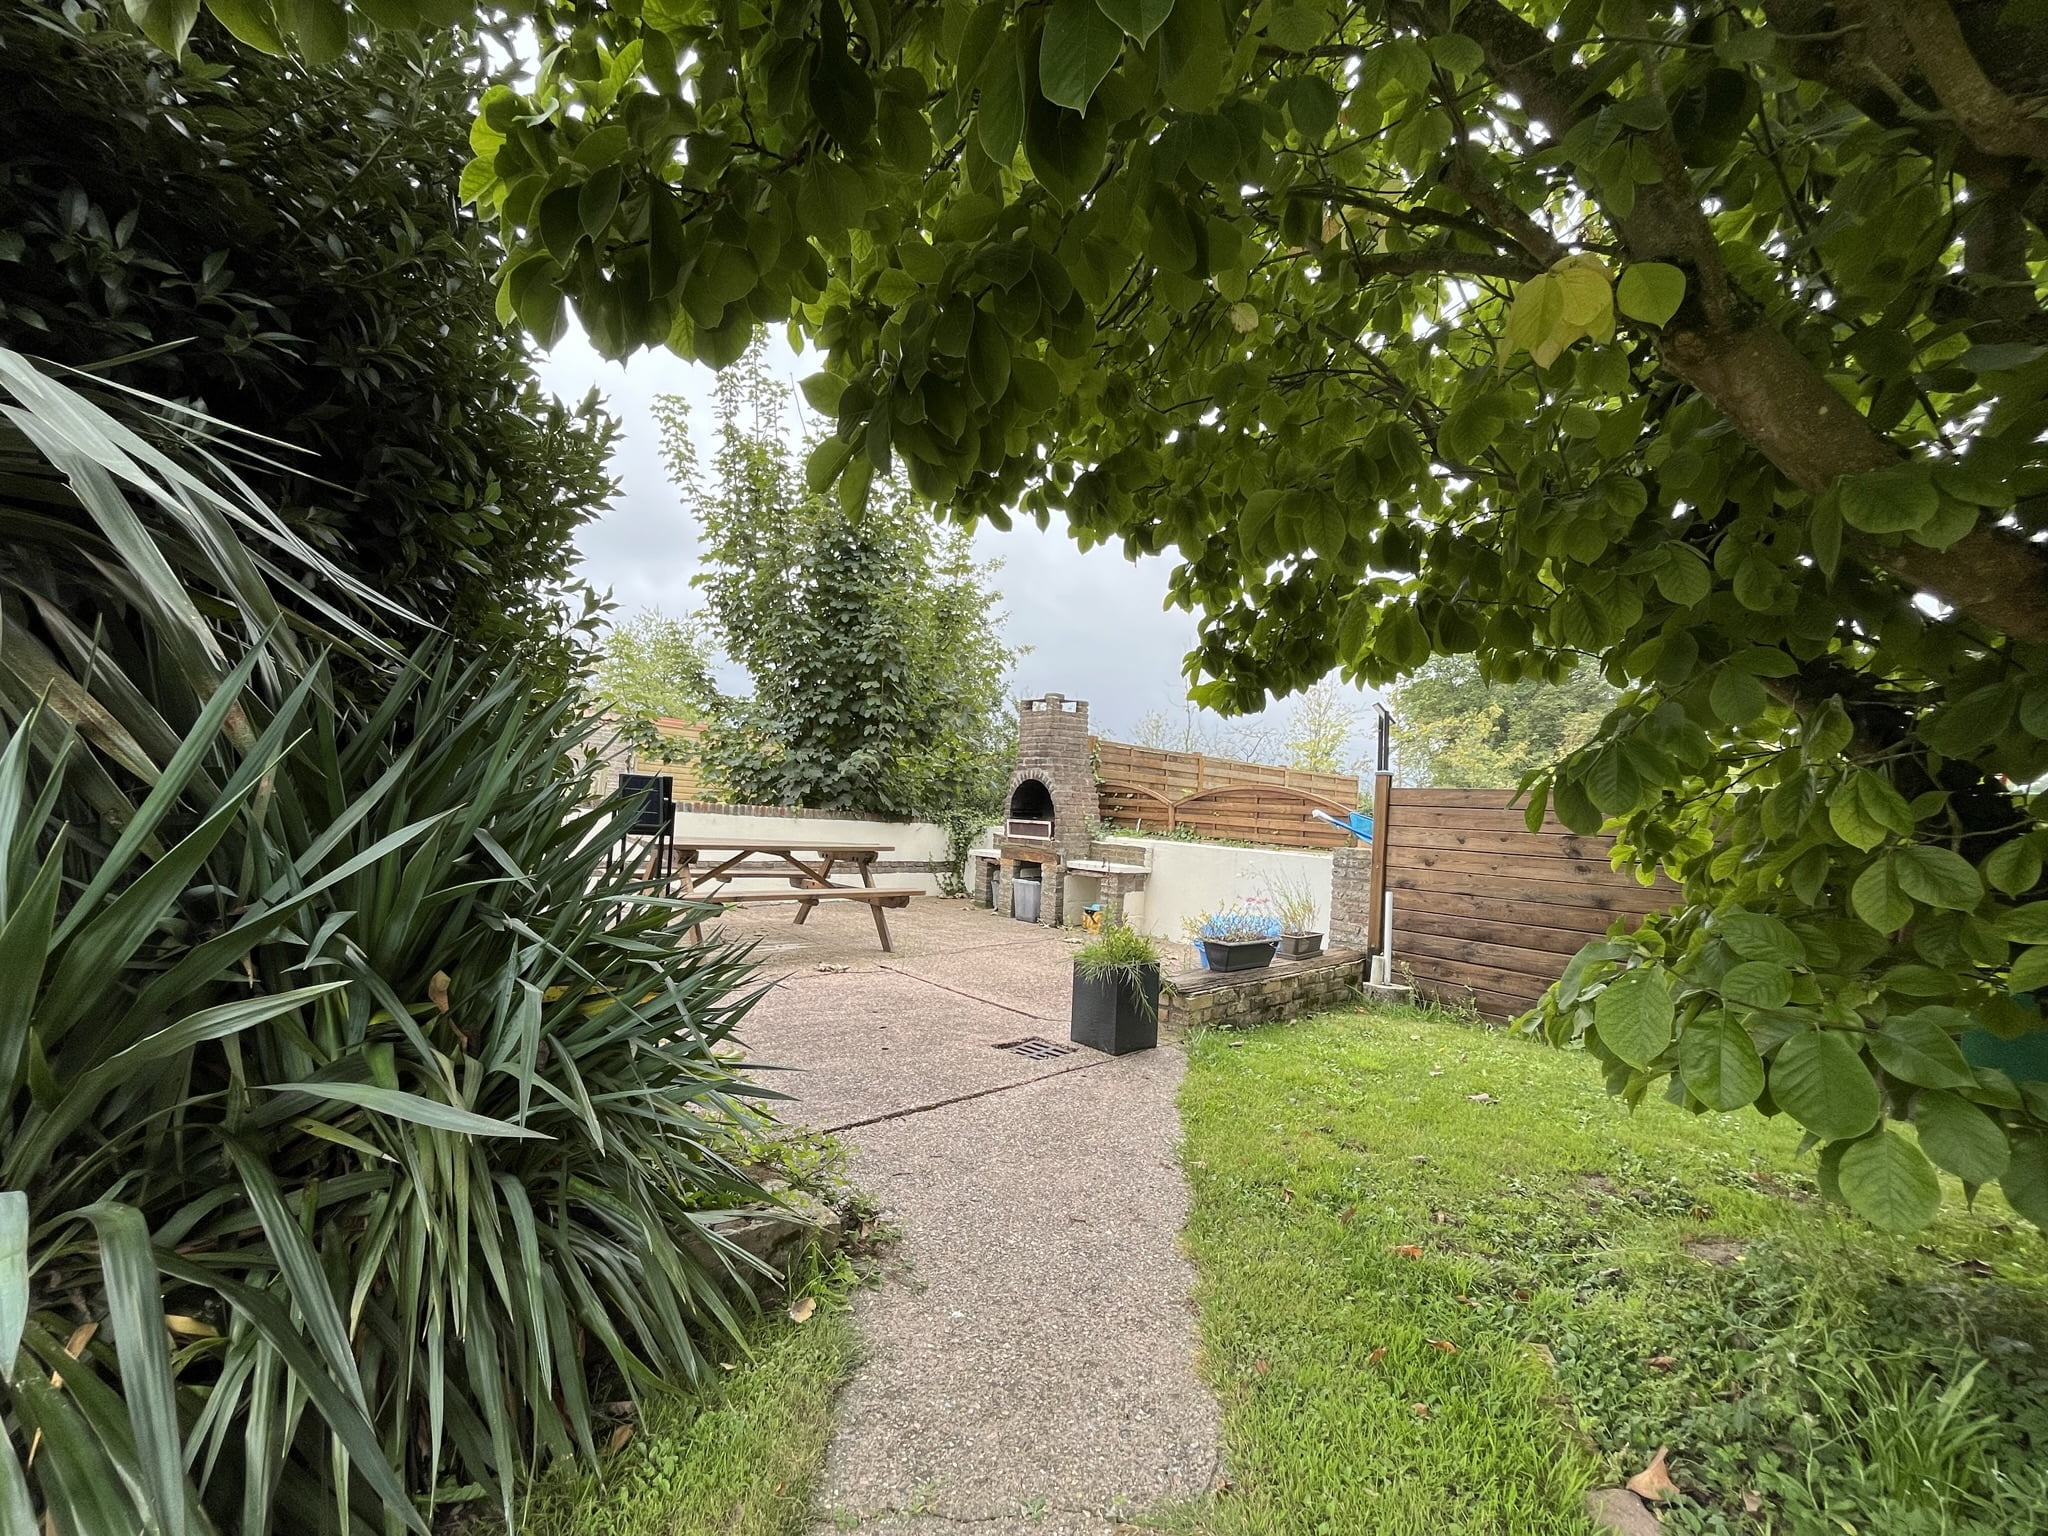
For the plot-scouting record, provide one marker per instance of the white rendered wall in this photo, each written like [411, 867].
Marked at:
[1190, 878]
[916, 841]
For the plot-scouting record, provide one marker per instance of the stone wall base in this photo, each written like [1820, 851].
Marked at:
[1286, 989]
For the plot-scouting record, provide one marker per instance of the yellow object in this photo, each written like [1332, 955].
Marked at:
[1091, 922]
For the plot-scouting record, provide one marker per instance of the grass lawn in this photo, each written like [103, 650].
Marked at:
[739, 1460]
[1432, 1312]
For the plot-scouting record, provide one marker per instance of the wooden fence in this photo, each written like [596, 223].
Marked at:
[1278, 817]
[1177, 775]
[1485, 910]
[1152, 790]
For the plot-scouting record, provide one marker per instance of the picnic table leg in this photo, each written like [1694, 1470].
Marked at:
[803, 908]
[882, 927]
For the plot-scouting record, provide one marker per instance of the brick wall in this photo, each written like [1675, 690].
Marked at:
[1052, 747]
[1286, 989]
[1350, 895]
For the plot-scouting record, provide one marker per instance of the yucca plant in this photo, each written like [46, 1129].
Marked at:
[355, 1115]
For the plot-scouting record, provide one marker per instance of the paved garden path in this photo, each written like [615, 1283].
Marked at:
[1030, 1358]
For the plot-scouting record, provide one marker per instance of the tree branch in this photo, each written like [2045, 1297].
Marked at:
[1988, 118]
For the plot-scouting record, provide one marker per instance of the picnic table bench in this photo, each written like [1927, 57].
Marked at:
[805, 867]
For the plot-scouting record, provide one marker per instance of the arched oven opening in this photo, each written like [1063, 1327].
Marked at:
[1031, 811]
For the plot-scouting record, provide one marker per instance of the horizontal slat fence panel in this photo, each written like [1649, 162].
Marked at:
[1180, 774]
[1489, 913]
[1149, 790]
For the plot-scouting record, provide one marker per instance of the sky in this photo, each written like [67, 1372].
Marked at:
[1092, 625]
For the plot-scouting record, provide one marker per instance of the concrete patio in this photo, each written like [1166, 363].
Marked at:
[1031, 1358]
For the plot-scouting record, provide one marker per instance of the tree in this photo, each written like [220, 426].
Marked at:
[1452, 727]
[880, 682]
[1702, 342]
[1319, 730]
[651, 665]
[1195, 729]
[285, 248]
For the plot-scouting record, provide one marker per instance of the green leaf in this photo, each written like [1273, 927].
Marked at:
[409, 1106]
[1961, 1137]
[318, 27]
[1888, 500]
[1472, 427]
[1819, 1079]
[1940, 877]
[1138, 18]
[1757, 984]
[2030, 971]
[999, 112]
[2026, 924]
[1917, 1048]
[1759, 936]
[1080, 46]
[1719, 1062]
[1877, 899]
[1650, 291]
[2015, 868]
[253, 22]
[1865, 808]
[167, 23]
[842, 96]
[1736, 697]
[135, 1306]
[1889, 1183]
[2025, 1181]
[13, 1276]
[1634, 1014]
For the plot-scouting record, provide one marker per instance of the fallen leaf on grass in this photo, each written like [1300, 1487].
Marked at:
[1663, 1363]
[1420, 1410]
[1287, 1194]
[834, 970]
[619, 1438]
[1481, 1098]
[1408, 1250]
[1441, 1218]
[800, 1311]
[1347, 1215]
[1752, 1503]
[1260, 1367]
[1445, 1345]
[1377, 1356]
[1653, 1482]
[1436, 1071]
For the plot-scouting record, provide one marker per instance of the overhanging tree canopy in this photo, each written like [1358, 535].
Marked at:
[1705, 341]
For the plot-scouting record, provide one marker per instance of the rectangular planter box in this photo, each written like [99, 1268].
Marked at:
[1301, 946]
[1116, 1018]
[1238, 957]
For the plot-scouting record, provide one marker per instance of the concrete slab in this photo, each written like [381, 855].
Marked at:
[1037, 1355]
[1030, 1360]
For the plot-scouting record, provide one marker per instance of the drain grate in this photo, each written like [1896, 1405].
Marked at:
[1037, 1048]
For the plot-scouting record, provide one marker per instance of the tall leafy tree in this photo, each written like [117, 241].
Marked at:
[1704, 340]
[879, 679]
[1454, 727]
[284, 248]
[654, 664]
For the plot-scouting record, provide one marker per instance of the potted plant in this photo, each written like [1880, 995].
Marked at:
[1116, 992]
[1295, 904]
[1239, 938]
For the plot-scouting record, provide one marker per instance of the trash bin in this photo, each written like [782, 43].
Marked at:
[1025, 893]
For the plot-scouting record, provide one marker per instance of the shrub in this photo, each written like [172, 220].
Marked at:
[354, 1113]
[1119, 954]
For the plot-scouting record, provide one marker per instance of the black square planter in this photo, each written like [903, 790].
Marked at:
[1248, 956]
[1301, 946]
[1116, 1017]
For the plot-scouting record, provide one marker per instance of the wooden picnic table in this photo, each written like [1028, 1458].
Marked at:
[807, 867]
